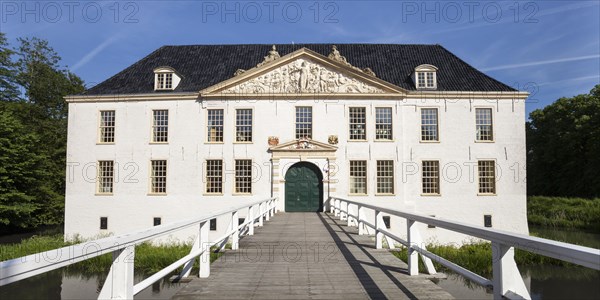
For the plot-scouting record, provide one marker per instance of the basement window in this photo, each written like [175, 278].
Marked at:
[103, 222]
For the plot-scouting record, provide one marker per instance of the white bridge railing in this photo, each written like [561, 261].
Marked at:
[506, 282]
[119, 282]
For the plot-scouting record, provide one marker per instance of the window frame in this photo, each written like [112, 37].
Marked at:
[438, 137]
[438, 183]
[296, 121]
[114, 127]
[161, 80]
[391, 139]
[425, 74]
[152, 126]
[366, 177]
[99, 178]
[208, 141]
[151, 191]
[494, 181]
[393, 176]
[492, 118]
[235, 139]
[349, 122]
[235, 177]
[206, 187]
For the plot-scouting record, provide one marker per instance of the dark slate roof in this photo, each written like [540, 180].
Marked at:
[204, 65]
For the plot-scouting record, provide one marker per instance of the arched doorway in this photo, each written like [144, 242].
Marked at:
[303, 188]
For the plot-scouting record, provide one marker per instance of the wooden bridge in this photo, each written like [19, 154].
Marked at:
[310, 256]
[332, 255]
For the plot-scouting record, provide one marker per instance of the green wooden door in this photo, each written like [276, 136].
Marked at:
[303, 188]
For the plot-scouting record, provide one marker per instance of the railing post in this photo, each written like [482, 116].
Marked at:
[336, 209]
[204, 258]
[378, 235]
[413, 256]
[272, 210]
[119, 282]
[260, 214]
[250, 217]
[235, 236]
[506, 275]
[361, 225]
[350, 212]
[343, 214]
[331, 206]
[268, 211]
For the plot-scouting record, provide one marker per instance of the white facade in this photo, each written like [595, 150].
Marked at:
[131, 206]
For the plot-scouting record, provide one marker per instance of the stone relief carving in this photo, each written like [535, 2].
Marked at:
[273, 141]
[273, 55]
[303, 144]
[333, 139]
[302, 76]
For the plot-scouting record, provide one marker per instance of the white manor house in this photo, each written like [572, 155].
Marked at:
[194, 129]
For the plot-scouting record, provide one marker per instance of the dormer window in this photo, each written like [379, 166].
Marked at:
[425, 77]
[165, 79]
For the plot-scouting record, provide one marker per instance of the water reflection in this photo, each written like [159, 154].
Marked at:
[544, 281]
[62, 284]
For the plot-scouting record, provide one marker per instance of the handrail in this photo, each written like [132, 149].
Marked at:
[503, 244]
[122, 247]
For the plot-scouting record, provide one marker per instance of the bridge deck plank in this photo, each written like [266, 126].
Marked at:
[309, 256]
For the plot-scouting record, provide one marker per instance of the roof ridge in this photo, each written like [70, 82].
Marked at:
[295, 44]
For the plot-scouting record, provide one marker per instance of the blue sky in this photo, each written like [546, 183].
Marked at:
[549, 48]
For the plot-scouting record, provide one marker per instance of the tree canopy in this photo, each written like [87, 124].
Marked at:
[33, 136]
[563, 143]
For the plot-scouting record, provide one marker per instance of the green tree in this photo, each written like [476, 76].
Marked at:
[22, 168]
[32, 90]
[46, 84]
[9, 90]
[563, 143]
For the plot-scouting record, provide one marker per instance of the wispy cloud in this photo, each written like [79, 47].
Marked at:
[88, 57]
[583, 78]
[540, 62]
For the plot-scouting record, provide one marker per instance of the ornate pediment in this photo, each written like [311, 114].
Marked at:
[302, 145]
[303, 73]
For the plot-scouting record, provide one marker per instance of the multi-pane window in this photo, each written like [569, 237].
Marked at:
[107, 126]
[425, 80]
[430, 80]
[158, 177]
[431, 177]
[215, 125]
[429, 124]
[383, 123]
[358, 177]
[160, 126]
[385, 177]
[483, 121]
[358, 123]
[303, 122]
[214, 176]
[105, 176]
[421, 79]
[487, 176]
[164, 81]
[243, 125]
[243, 176]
